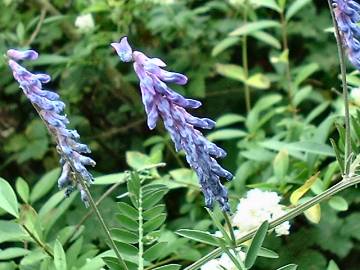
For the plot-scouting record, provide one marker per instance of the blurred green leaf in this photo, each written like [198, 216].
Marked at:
[59, 256]
[44, 185]
[295, 7]
[8, 200]
[254, 26]
[22, 188]
[256, 243]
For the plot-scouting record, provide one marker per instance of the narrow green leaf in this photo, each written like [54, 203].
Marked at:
[14, 252]
[11, 231]
[137, 160]
[128, 210]
[152, 198]
[127, 249]
[295, 7]
[199, 236]
[154, 212]
[332, 266]
[155, 252]
[229, 119]
[338, 155]
[22, 188]
[266, 38]
[254, 26]
[8, 200]
[169, 267]
[44, 185]
[124, 236]
[259, 81]
[223, 45]
[154, 223]
[288, 267]
[267, 253]
[312, 147]
[234, 72]
[305, 72]
[127, 222]
[281, 164]
[59, 256]
[256, 244]
[110, 179]
[338, 203]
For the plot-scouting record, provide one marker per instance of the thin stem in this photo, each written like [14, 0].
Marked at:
[102, 222]
[42, 245]
[91, 200]
[88, 214]
[345, 91]
[141, 232]
[286, 48]
[345, 183]
[245, 61]
[230, 227]
[37, 28]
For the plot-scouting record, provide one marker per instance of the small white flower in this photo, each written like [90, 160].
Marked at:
[85, 23]
[355, 95]
[257, 207]
[211, 265]
[227, 263]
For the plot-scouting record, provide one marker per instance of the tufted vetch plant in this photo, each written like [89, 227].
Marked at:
[161, 101]
[49, 107]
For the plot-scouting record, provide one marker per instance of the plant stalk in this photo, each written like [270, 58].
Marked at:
[245, 61]
[341, 55]
[42, 245]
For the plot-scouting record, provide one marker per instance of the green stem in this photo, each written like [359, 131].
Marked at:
[287, 68]
[345, 183]
[245, 61]
[91, 200]
[345, 91]
[101, 221]
[42, 245]
[230, 227]
[141, 233]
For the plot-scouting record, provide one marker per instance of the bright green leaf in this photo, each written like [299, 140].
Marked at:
[8, 200]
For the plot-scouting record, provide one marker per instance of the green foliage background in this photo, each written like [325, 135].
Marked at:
[104, 105]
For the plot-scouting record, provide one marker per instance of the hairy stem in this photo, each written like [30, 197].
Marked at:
[298, 210]
[345, 91]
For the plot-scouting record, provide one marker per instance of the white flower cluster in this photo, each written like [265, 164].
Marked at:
[257, 207]
[224, 262]
[85, 23]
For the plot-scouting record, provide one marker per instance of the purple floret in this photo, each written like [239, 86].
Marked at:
[161, 101]
[49, 106]
[347, 14]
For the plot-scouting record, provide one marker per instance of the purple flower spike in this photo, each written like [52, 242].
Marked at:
[347, 14]
[160, 100]
[49, 106]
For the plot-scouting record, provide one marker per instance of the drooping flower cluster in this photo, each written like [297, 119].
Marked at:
[49, 106]
[347, 14]
[257, 207]
[161, 101]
